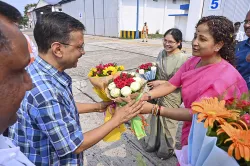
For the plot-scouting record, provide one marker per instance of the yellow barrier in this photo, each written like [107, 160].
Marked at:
[129, 34]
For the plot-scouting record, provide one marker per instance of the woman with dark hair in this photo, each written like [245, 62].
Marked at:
[162, 131]
[209, 73]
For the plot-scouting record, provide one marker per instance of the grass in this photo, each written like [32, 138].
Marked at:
[155, 36]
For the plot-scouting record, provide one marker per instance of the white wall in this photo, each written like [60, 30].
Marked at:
[181, 24]
[194, 14]
[154, 13]
[175, 21]
[74, 9]
[99, 16]
[32, 19]
[111, 15]
[127, 15]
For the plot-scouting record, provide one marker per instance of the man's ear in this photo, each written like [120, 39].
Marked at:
[56, 49]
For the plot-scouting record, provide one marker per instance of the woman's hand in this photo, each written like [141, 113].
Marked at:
[153, 84]
[146, 97]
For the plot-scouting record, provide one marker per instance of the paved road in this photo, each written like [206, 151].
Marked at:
[130, 53]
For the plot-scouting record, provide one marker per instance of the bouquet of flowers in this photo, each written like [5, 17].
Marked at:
[147, 71]
[124, 85]
[99, 78]
[227, 125]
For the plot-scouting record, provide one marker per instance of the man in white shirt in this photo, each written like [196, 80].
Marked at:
[14, 81]
[239, 35]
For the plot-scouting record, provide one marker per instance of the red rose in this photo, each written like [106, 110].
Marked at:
[246, 119]
[230, 101]
[243, 103]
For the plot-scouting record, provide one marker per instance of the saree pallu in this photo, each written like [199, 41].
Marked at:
[162, 131]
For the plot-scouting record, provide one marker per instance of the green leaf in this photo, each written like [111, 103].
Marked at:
[140, 161]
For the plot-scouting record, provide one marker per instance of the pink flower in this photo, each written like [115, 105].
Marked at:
[246, 119]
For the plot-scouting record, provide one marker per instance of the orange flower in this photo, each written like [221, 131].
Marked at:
[240, 139]
[212, 110]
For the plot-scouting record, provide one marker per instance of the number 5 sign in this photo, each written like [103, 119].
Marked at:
[214, 4]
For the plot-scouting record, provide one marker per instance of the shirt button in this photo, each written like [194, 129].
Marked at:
[12, 155]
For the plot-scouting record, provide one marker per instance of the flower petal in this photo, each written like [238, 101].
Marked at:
[206, 123]
[237, 153]
[230, 149]
[201, 116]
[242, 154]
[247, 153]
[197, 108]
[211, 122]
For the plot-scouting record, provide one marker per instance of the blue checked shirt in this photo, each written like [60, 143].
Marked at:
[48, 129]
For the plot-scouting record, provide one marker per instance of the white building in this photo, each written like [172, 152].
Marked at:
[110, 17]
[32, 17]
[41, 8]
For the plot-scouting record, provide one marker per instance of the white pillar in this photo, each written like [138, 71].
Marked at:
[144, 11]
[164, 17]
[194, 14]
[53, 9]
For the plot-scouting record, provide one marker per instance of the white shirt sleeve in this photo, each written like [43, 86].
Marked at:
[11, 155]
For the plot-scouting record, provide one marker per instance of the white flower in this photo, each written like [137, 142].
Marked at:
[132, 73]
[125, 91]
[115, 92]
[137, 79]
[111, 86]
[135, 86]
[141, 71]
[153, 68]
[153, 63]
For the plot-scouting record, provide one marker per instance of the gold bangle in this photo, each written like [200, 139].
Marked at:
[156, 109]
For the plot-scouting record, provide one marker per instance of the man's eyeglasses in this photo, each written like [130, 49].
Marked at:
[168, 42]
[81, 49]
[246, 22]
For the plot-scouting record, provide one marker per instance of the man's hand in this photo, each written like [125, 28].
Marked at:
[124, 114]
[101, 106]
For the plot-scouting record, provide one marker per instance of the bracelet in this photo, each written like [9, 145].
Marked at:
[156, 110]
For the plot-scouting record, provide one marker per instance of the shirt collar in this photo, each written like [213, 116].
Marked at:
[61, 77]
[246, 42]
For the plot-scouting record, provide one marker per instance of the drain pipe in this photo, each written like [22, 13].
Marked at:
[137, 20]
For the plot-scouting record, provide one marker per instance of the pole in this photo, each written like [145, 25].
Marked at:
[137, 20]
